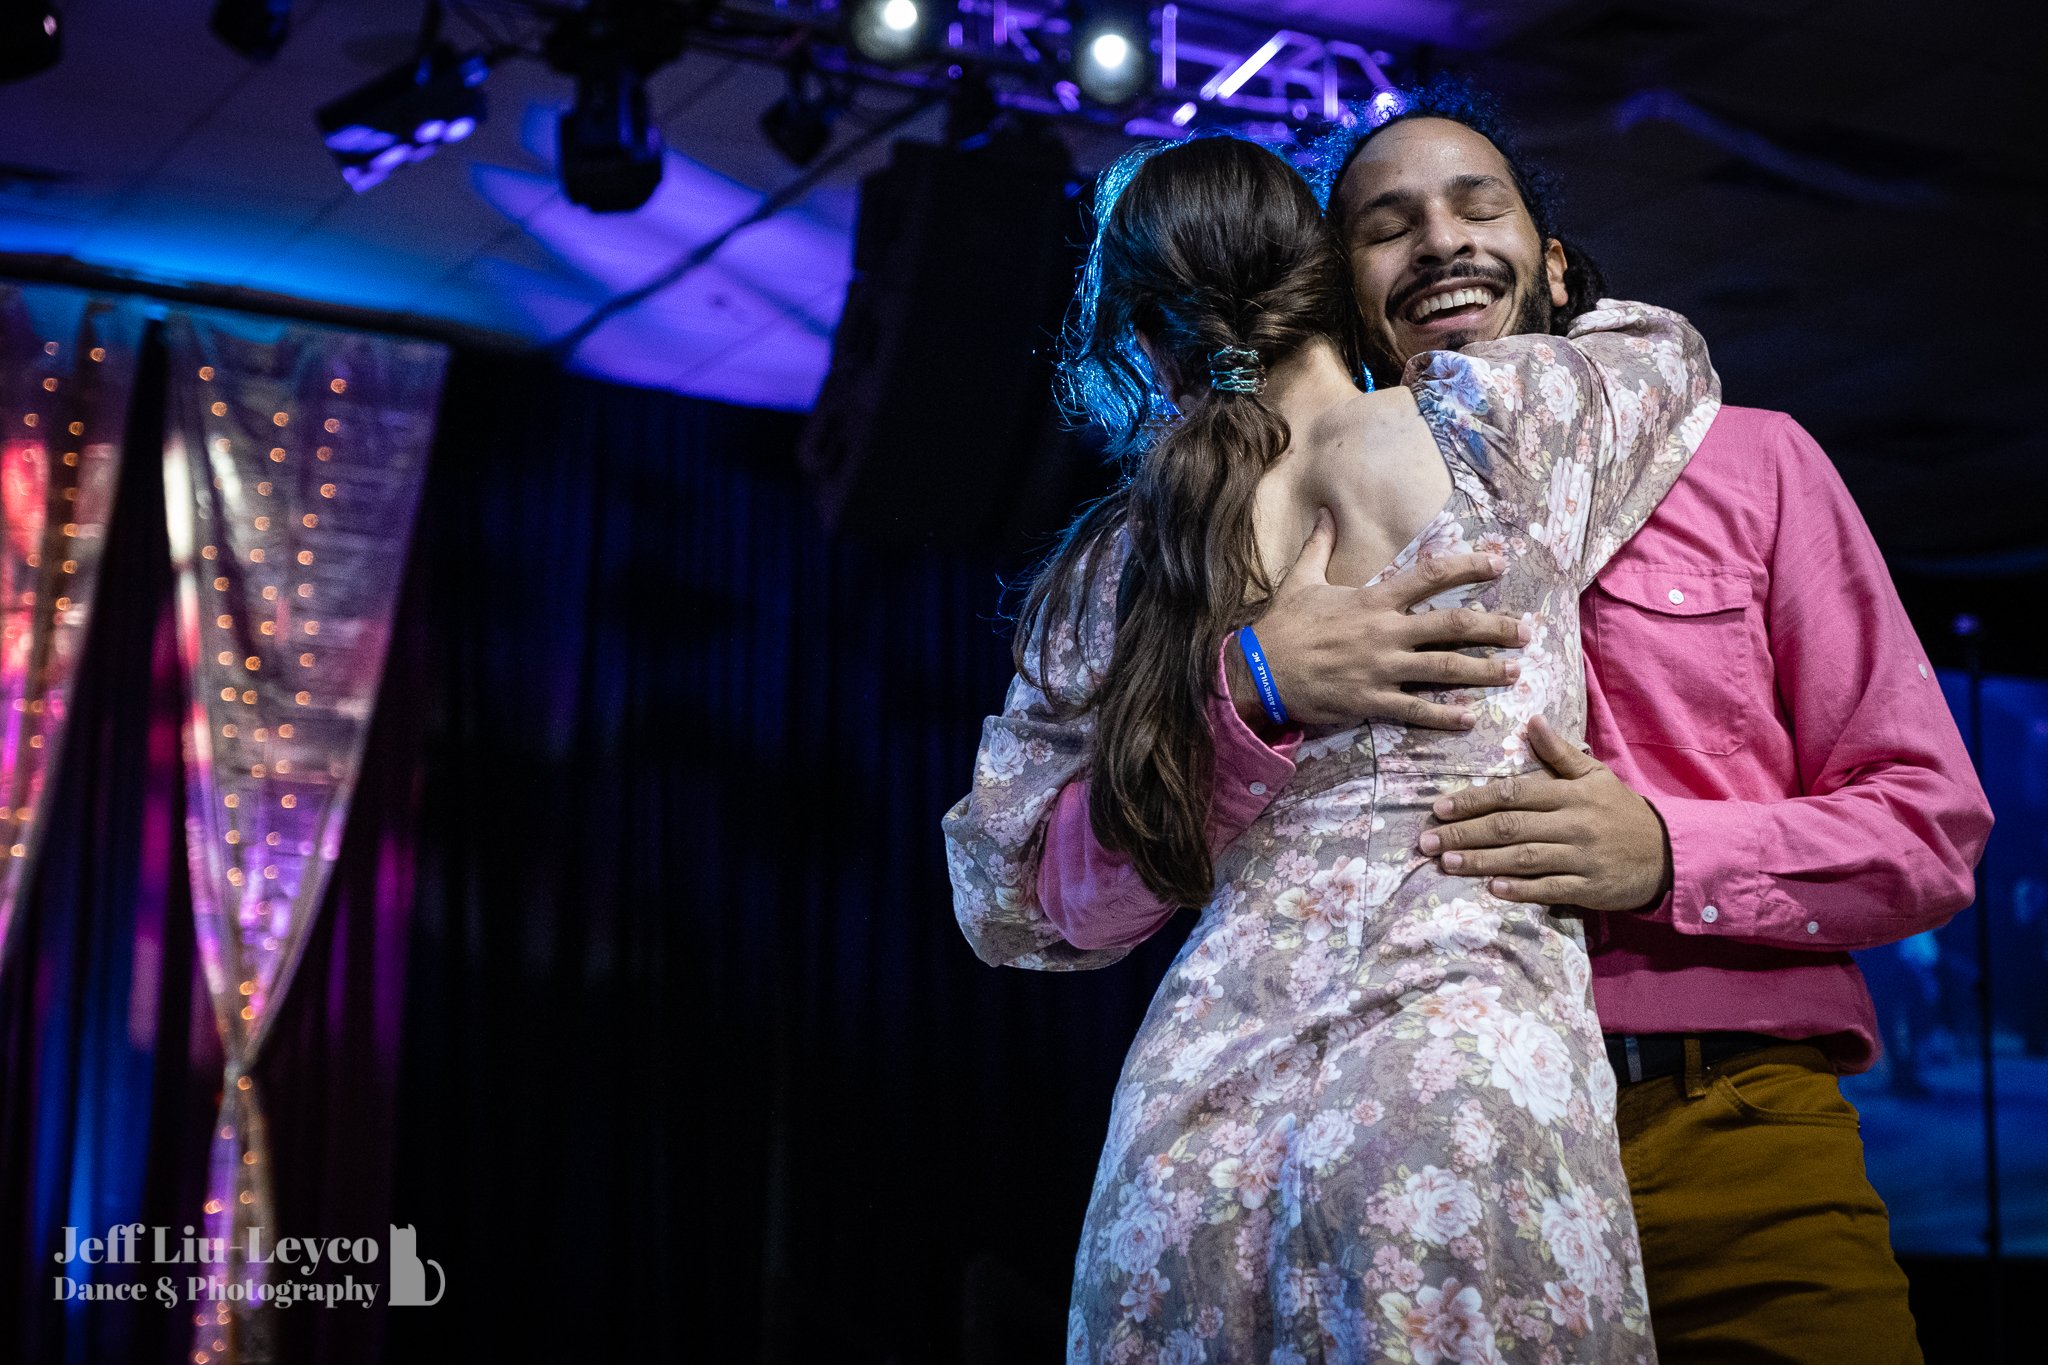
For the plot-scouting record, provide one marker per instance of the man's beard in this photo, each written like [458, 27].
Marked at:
[1535, 313]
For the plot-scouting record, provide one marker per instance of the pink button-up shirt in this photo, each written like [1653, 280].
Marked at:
[1751, 673]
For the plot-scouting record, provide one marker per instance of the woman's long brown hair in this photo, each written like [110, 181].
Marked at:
[1212, 244]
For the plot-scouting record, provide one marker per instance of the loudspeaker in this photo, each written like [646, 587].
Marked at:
[936, 424]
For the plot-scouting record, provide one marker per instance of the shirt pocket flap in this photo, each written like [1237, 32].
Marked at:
[1678, 592]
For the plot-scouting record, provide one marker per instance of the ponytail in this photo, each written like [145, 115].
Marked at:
[1216, 253]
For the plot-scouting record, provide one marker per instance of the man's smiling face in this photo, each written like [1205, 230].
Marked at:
[1442, 247]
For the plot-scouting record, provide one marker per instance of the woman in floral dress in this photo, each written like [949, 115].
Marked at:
[1369, 1115]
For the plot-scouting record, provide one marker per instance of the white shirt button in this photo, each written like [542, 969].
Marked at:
[1257, 789]
[1709, 914]
[1813, 926]
[1677, 597]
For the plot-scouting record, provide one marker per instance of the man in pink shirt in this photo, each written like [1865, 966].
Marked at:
[1775, 780]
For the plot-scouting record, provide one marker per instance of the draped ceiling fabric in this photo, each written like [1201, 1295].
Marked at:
[67, 369]
[293, 460]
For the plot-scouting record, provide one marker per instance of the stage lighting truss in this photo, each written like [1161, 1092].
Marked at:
[405, 115]
[1162, 70]
[1154, 70]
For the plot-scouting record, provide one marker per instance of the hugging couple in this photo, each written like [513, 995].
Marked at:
[1535, 737]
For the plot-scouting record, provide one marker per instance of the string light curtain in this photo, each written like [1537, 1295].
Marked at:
[293, 459]
[67, 370]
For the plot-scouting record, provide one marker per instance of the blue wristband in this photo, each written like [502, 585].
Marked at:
[1262, 676]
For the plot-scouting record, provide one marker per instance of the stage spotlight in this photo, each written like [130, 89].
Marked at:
[1112, 51]
[608, 149]
[254, 28]
[891, 30]
[800, 123]
[31, 38]
[404, 115]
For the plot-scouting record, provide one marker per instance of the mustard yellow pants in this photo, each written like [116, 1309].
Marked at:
[1762, 1238]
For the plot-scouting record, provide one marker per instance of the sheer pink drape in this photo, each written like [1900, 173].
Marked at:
[67, 370]
[292, 464]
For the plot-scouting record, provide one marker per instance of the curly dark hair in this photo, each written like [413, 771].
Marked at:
[1453, 98]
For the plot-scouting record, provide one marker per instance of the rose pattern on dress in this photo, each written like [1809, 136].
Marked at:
[1368, 1116]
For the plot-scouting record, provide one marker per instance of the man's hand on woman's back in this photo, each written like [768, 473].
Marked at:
[1342, 655]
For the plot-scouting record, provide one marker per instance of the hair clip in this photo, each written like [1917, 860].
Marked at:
[1236, 369]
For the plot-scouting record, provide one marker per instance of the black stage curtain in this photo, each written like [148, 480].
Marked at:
[697, 1065]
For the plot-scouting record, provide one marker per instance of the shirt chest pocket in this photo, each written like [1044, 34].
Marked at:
[1674, 655]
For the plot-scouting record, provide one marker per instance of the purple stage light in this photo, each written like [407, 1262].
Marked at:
[358, 140]
[459, 129]
[433, 130]
[1185, 115]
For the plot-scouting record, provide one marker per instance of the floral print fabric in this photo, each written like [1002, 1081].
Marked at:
[1369, 1115]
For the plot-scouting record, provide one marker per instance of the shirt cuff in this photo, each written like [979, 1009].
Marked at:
[1716, 859]
[1249, 771]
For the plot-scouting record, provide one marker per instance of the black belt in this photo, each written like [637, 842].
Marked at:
[1639, 1057]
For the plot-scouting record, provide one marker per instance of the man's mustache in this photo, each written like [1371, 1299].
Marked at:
[1502, 277]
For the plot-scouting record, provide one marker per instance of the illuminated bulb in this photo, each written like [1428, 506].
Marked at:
[219, 409]
[900, 15]
[1110, 50]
